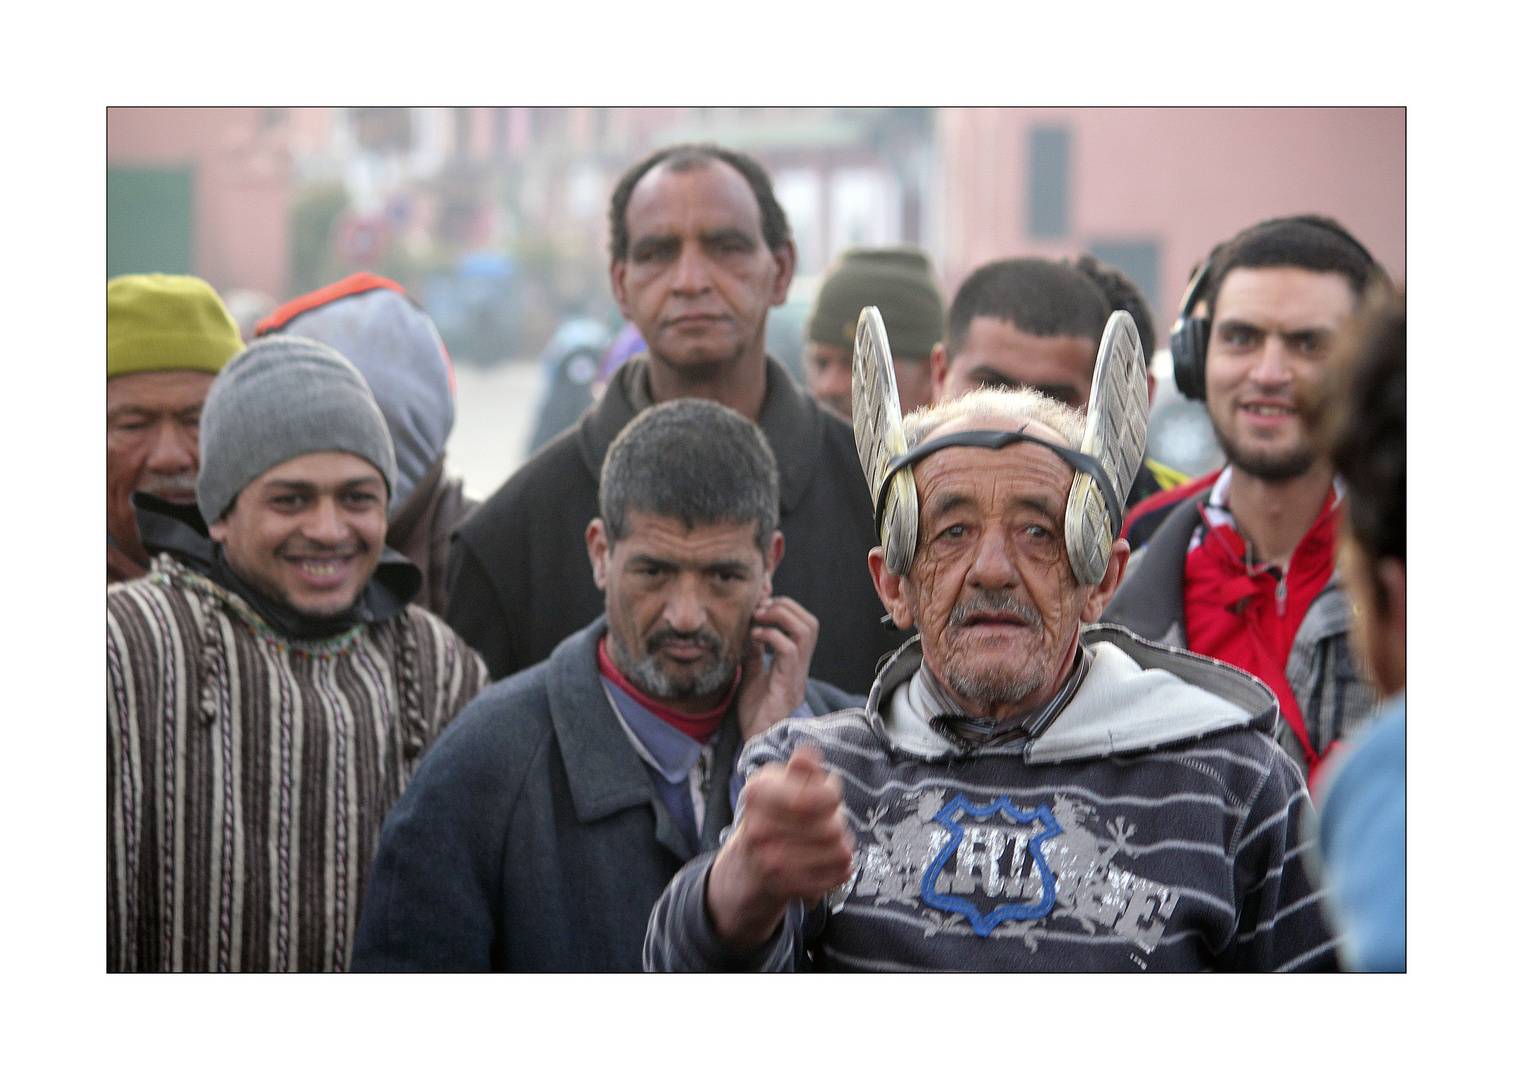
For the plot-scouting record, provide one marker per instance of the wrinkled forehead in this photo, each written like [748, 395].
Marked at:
[1021, 467]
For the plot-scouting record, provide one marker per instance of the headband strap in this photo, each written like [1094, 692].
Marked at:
[997, 440]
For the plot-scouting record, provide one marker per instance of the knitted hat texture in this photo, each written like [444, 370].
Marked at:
[282, 397]
[899, 282]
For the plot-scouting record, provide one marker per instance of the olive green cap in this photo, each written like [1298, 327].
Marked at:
[166, 322]
[899, 282]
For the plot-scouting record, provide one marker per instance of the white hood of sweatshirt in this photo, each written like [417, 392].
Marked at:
[1137, 695]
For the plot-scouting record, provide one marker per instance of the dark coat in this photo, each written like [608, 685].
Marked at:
[519, 580]
[531, 837]
[421, 530]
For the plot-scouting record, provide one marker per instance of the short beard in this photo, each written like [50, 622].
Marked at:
[648, 676]
[997, 688]
[1272, 468]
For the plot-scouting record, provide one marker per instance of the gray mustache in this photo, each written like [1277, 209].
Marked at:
[178, 486]
[702, 638]
[995, 602]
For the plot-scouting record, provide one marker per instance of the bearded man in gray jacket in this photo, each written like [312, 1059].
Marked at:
[1023, 791]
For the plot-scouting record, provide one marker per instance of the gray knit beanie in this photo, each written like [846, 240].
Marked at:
[282, 397]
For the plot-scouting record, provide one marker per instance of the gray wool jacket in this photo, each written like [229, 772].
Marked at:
[531, 837]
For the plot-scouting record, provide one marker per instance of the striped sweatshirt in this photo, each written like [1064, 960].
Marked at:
[248, 774]
[1155, 825]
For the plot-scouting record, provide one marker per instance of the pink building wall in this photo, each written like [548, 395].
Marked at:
[1185, 177]
[241, 163]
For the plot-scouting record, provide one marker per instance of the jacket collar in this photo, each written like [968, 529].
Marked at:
[790, 420]
[604, 773]
[1150, 599]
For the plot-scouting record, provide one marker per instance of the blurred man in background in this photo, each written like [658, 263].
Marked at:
[165, 338]
[538, 834]
[900, 283]
[700, 251]
[1036, 323]
[1363, 819]
[395, 345]
[1244, 569]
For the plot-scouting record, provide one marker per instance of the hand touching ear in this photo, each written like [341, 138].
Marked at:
[770, 694]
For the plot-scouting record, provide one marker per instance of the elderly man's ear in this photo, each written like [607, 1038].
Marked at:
[1098, 599]
[889, 590]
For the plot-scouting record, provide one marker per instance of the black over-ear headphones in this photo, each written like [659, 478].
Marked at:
[1189, 338]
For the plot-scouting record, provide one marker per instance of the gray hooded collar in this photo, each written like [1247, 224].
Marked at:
[790, 420]
[1137, 695]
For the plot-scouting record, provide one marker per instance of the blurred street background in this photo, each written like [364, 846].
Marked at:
[495, 218]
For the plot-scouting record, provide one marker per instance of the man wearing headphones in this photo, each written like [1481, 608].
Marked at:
[1243, 569]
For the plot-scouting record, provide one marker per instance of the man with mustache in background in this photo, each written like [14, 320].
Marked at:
[165, 338]
[700, 251]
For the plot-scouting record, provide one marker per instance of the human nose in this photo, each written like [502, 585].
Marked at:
[1272, 368]
[993, 565]
[833, 384]
[173, 450]
[325, 524]
[691, 272]
[684, 610]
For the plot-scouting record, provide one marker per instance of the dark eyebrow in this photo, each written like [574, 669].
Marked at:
[1310, 335]
[651, 562]
[946, 503]
[1233, 323]
[725, 566]
[1036, 502]
[990, 376]
[721, 236]
[653, 244]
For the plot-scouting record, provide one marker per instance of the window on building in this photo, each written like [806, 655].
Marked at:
[1050, 174]
[149, 215]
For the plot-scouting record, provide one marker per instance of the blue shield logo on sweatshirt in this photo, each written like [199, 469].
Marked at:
[1002, 856]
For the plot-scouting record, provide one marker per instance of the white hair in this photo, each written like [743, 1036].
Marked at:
[996, 403]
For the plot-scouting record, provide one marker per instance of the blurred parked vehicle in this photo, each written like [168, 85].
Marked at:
[569, 369]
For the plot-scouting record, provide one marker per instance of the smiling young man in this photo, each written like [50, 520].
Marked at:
[270, 687]
[542, 827]
[1021, 792]
[166, 336]
[1244, 569]
[700, 250]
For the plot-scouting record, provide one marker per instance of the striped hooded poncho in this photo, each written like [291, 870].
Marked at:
[248, 773]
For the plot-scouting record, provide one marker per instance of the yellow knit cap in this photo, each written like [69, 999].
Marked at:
[164, 322]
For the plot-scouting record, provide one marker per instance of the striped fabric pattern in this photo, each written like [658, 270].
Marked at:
[248, 775]
[1184, 858]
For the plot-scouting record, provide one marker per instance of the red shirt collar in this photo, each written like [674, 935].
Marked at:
[697, 726]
